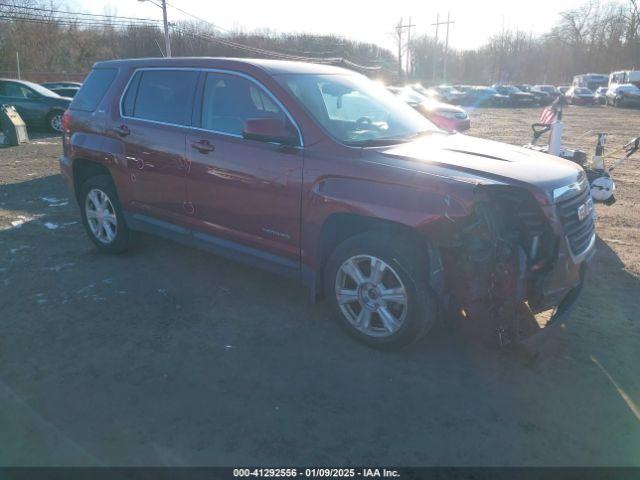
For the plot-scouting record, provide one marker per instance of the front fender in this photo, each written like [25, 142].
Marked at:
[433, 213]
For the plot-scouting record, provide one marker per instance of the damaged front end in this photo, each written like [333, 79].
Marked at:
[501, 271]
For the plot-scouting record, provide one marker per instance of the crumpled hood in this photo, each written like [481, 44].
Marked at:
[476, 160]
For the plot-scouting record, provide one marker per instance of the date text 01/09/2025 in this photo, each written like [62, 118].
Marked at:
[316, 472]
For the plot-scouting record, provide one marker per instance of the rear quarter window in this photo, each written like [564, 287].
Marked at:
[93, 89]
[161, 95]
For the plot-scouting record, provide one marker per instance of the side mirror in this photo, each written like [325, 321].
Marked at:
[269, 130]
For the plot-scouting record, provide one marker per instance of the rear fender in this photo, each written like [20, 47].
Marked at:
[105, 151]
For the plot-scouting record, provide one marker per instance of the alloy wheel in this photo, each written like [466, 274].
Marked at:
[101, 216]
[56, 122]
[371, 295]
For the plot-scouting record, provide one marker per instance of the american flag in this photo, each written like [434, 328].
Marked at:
[550, 113]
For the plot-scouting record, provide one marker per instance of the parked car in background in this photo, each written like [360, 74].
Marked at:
[580, 96]
[600, 96]
[448, 117]
[517, 98]
[485, 97]
[66, 91]
[447, 94]
[318, 173]
[625, 95]
[463, 88]
[61, 84]
[563, 89]
[541, 98]
[38, 106]
[550, 90]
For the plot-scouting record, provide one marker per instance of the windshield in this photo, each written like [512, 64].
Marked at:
[41, 90]
[583, 91]
[629, 88]
[511, 89]
[411, 96]
[356, 110]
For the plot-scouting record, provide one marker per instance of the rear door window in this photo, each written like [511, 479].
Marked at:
[93, 89]
[162, 96]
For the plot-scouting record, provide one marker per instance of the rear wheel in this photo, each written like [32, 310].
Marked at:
[54, 121]
[377, 286]
[102, 215]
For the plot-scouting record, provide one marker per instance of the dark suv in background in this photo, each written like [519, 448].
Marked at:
[318, 173]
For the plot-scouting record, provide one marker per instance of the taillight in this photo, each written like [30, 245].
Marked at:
[66, 117]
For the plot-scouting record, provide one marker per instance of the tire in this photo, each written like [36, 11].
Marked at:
[54, 121]
[363, 310]
[102, 218]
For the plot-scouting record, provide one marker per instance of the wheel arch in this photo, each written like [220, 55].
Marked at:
[83, 169]
[341, 226]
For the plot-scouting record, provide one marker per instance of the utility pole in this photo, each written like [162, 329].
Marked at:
[18, 64]
[446, 49]
[399, 40]
[435, 49]
[408, 68]
[167, 41]
[446, 45]
[399, 28]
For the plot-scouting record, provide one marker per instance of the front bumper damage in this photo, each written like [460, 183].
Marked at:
[512, 272]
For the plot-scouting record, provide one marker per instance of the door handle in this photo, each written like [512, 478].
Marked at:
[203, 146]
[122, 130]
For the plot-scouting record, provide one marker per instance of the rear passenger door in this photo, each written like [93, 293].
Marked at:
[152, 123]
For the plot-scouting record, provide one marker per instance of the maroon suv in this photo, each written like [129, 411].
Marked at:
[319, 173]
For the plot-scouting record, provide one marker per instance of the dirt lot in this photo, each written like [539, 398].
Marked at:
[170, 356]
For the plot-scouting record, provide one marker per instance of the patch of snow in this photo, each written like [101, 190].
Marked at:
[57, 268]
[85, 289]
[51, 225]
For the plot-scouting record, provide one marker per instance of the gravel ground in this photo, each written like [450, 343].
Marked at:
[170, 356]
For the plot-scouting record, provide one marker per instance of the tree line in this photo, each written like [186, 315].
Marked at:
[593, 38]
[596, 37]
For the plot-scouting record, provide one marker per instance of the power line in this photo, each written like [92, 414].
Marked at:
[66, 18]
[277, 55]
[49, 10]
[197, 18]
[71, 23]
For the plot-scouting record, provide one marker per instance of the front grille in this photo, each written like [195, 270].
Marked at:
[579, 232]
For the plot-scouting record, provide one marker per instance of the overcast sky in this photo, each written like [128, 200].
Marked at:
[370, 21]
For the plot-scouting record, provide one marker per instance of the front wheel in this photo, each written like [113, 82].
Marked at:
[102, 215]
[377, 284]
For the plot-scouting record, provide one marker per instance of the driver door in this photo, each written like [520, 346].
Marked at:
[245, 194]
